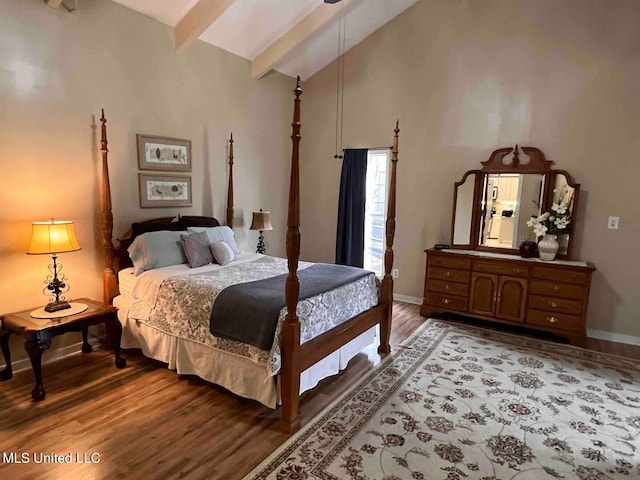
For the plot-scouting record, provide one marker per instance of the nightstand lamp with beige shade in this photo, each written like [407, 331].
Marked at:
[261, 221]
[51, 238]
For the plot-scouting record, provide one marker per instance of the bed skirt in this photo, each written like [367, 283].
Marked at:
[235, 373]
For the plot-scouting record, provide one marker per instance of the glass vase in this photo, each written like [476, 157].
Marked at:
[548, 248]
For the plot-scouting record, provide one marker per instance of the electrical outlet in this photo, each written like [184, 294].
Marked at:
[395, 272]
[613, 223]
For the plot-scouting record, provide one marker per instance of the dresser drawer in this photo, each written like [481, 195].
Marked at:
[556, 289]
[451, 288]
[501, 269]
[560, 321]
[449, 274]
[554, 304]
[569, 276]
[450, 261]
[450, 302]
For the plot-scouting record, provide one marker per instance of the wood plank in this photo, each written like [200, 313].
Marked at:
[197, 20]
[148, 422]
[321, 18]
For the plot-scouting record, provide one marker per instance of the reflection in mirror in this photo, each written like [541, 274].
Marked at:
[563, 194]
[463, 211]
[508, 200]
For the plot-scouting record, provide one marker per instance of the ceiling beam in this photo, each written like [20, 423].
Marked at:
[54, 3]
[197, 20]
[322, 17]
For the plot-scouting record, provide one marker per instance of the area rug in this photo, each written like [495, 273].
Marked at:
[457, 402]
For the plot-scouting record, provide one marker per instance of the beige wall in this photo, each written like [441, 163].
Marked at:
[57, 69]
[466, 77]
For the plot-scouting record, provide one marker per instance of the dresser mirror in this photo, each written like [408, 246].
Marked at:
[463, 210]
[493, 205]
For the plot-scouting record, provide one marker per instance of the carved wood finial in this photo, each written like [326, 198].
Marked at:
[230, 187]
[516, 158]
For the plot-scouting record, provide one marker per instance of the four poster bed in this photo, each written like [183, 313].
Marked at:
[334, 324]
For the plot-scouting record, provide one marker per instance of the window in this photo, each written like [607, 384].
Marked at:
[375, 209]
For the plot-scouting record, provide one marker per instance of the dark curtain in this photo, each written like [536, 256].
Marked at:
[350, 234]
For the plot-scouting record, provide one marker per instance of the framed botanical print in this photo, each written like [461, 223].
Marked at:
[163, 190]
[163, 153]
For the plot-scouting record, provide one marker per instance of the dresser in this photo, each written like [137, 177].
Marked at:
[548, 296]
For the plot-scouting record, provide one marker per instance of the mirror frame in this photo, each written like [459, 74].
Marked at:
[538, 164]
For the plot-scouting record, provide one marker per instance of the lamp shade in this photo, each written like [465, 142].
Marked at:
[53, 237]
[261, 221]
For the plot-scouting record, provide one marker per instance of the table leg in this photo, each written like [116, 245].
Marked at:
[86, 347]
[35, 344]
[114, 331]
[7, 373]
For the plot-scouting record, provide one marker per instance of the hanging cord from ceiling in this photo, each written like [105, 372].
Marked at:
[342, 29]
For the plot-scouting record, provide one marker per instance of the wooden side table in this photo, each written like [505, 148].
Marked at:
[7, 373]
[39, 332]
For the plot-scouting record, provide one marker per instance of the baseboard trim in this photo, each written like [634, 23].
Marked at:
[613, 337]
[407, 299]
[52, 355]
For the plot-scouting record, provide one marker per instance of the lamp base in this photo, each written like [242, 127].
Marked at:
[56, 306]
[261, 248]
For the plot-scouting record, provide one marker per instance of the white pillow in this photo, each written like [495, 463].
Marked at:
[156, 249]
[218, 234]
[222, 252]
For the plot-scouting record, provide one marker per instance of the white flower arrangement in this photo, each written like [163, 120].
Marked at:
[551, 223]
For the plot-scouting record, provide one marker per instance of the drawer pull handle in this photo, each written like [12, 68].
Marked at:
[553, 319]
[556, 288]
[445, 301]
[447, 274]
[553, 304]
[446, 287]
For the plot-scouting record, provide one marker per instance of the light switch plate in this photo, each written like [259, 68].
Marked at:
[613, 223]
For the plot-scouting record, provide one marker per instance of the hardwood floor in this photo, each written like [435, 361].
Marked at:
[147, 422]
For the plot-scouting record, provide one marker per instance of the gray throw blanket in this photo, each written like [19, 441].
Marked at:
[248, 312]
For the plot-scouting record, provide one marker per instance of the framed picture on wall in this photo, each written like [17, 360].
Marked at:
[161, 190]
[163, 153]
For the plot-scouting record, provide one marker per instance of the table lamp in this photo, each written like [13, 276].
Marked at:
[261, 221]
[52, 238]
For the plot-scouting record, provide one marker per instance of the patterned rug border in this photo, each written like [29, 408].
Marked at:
[520, 341]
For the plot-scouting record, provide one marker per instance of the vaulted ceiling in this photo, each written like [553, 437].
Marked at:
[290, 36]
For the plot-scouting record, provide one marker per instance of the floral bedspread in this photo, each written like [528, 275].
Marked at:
[184, 303]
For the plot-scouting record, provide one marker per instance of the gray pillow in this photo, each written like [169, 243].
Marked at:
[218, 234]
[196, 247]
[156, 249]
[222, 252]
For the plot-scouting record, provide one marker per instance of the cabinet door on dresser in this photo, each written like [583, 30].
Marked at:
[498, 296]
[512, 299]
[484, 289]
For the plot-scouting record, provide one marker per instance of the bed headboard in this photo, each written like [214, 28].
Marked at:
[179, 223]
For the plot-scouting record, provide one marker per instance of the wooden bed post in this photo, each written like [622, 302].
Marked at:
[387, 281]
[109, 282]
[230, 188]
[290, 335]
